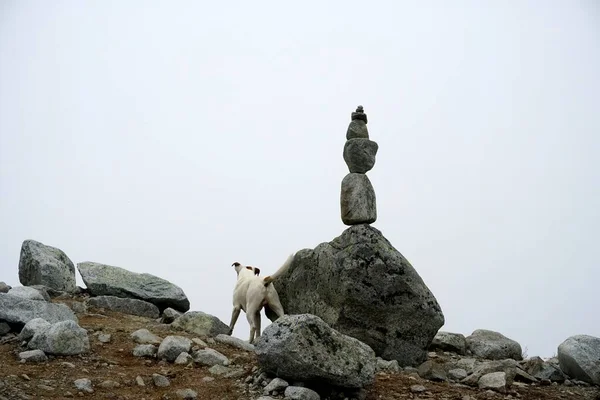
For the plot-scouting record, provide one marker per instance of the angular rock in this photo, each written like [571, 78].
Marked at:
[109, 384]
[508, 366]
[106, 280]
[363, 287]
[276, 384]
[357, 200]
[494, 381]
[300, 393]
[522, 376]
[357, 129]
[4, 288]
[4, 328]
[540, 369]
[32, 327]
[183, 359]
[457, 374]
[304, 348]
[359, 155]
[387, 365]
[200, 323]
[45, 265]
[169, 315]
[17, 310]
[465, 363]
[26, 292]
[219, 370]
[144, 336]
[235, 342]
[579, 357]
[432, 371]
[493, 345]
[447, 341]
[145, 350]
[84, 384]
[187, 394]
[123, 305]
[172, 346]
[104, 337]
[210, 357]
[160, 380]
[33, 356]
[64, 338]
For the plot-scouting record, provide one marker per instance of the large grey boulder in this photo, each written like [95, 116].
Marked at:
[32, 327]
[359, 155]
[18, 310]
[201, 324]
[45, 265]
[579, 357]
[64, 338]
[106, 280]
[493, 345]
[304, 348]
[26, 292]
[541, 370]
[357, 200]
[126, 306]
[448, 341]
[362, 286]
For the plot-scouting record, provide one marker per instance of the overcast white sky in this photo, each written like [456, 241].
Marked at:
[175, 138]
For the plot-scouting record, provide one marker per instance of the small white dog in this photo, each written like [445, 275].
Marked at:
[252, 293]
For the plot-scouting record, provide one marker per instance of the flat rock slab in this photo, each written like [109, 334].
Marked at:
[304, 348]
[357, 200]
[126, 306]
[579, 357]
[359, 155]
[45, 265]
[106, 280]
[17, 310]
[493, 345]
[363, 287]
[448, 341]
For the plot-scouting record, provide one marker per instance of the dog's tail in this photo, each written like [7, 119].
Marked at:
[269, 279]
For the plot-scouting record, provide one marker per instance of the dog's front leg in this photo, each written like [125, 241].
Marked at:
[234, 316]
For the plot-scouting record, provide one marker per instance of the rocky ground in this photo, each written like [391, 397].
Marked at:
[115, 373]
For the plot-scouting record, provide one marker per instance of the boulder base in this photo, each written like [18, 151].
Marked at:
[579, 357]
[360, 285]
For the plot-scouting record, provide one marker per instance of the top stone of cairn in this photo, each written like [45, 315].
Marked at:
[358, 125]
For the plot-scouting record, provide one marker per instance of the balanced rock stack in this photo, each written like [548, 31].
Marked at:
[358, 196]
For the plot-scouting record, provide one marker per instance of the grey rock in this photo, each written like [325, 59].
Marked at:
[219, 370]
[493, 345]
[363, 287]
[494, 381]
[579, 357]
[210, 357]
[199, 323]
[45, 265]
[357, 200]
[235, 342]
[48, 293]
[387, 365]
[145, 350]
[33, 356]
[465, 363]
[79, 307]
[4, 288]
[169, 315]
[508, 366]
[144, 336]
[457, 374]
[63, 338]
[32, 327]
[160, 380]
[305, 348]
[522, 376]
[418, 388]
[109, 384]
[359, 155]
[540, 369]
[183, 359]
[448, 341]
[124, 305]
[140, 381]
[199, 342]
[172, 346]
[432, 371]
[300, 393]
[17, 310]
[104, 337]
[357, 129]
[106, 280]
[276, 384]
[84, 384]
[187, 394]
[25, 292]
[4, 328]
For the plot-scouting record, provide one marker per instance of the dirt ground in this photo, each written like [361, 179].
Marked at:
[114, 361]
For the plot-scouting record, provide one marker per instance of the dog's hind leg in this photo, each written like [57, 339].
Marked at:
[234, 316]
[257, 316]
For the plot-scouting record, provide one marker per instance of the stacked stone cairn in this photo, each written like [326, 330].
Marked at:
[357, 198]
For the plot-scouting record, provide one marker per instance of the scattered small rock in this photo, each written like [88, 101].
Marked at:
[145, 350]
[210, 357]
[493, 381]
[276, 384]
[33, 356]
[418, 388]
[84, 384]
[144, 336]
[183, 359]
[187, 394]
[301, 393]
[160, 380]
[140, 381]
